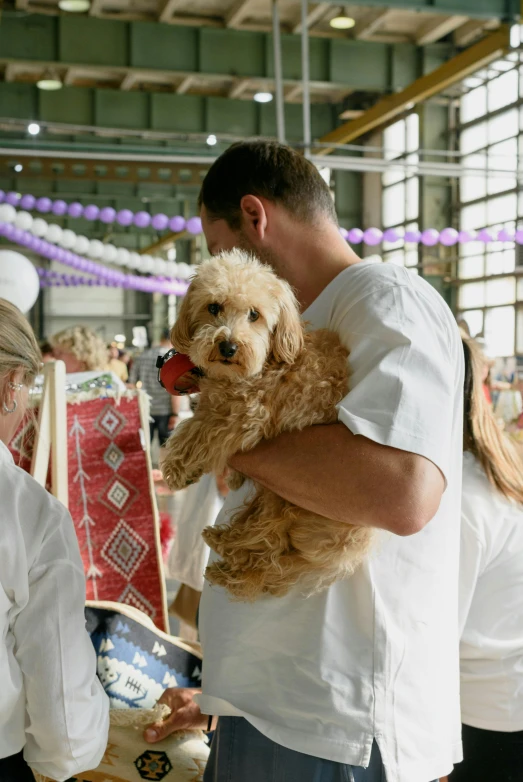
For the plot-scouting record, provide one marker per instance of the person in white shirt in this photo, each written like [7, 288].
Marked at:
[54, 714]
[491, 592]
[361, 681]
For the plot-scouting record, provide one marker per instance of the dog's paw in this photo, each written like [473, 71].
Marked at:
[177, 477]
[235, 480]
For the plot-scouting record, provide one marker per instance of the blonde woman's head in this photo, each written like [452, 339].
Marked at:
[19, 364]
[80, 348]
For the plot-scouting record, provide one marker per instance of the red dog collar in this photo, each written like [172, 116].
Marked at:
[177, 374]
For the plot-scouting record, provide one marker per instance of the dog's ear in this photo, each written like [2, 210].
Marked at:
[183, 329]
[287, 338]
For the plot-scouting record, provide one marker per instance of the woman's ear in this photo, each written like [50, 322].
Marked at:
[287, 338]
[182, 331]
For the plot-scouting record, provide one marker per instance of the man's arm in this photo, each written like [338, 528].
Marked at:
[344, 477]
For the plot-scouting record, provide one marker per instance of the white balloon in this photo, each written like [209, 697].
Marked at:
[7, 213]
[68, 239]
[19, 281]
[146, 264]
[54, 233]
[122, 256]
[134, 261]
[39, 226]
[24, 221]
[81, 246]
[171, 268]
[160, 266]
[96, 248]
[183, 271]
[109, 254]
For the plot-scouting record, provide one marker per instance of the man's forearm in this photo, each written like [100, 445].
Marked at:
[349, 478]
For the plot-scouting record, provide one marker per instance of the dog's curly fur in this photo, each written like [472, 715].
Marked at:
[281, 378]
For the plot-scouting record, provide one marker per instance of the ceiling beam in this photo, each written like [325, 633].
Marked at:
[163, 242]
[469, 32]
[434, 31]
[10, 72]
[294, 93]
[96, 8]
[185, 85]
[316, 13]
[129, 81]
[452, 71]
[371, 22]
[168, 10]
[235, 16]
[238, 88]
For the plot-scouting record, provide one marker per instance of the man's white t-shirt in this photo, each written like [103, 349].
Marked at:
[374, 656]
[491, 605]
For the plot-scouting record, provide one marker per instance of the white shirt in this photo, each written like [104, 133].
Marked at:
[491, 605]
[375, 656]
[52, 703]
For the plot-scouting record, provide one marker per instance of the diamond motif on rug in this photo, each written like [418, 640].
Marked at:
[118, 495]
[131, 597]
[125, 550]
[113, 457]
[110, 422]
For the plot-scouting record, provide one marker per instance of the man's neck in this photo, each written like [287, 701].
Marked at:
[311, 260]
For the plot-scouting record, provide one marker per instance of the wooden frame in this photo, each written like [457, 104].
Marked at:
[51, 433]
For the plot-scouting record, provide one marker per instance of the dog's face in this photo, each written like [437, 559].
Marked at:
[236, 316]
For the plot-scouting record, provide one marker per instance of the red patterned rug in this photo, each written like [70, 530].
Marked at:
[113, 507]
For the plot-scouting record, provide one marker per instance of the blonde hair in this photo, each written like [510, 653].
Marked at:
[482, 434]
[19, 349]
[84, 344]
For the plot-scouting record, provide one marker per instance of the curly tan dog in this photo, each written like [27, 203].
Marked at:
[264, 374]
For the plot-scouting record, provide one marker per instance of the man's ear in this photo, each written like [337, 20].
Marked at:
[254, 216]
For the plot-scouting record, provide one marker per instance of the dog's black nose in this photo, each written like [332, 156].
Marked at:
[228, 349]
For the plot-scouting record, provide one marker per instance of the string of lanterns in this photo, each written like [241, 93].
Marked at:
[93, 248]
[53, 279]
[114, 277]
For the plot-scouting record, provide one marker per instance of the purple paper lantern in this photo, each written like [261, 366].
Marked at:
[142, 219]
[343, 233]
[355, 236]
[160, 222]
[519, 236]
[91, 212]
[372, 236]
[75, 209]
[430, 237]
[43, 205]
[466, 236]
[107, 214]
[505, 236]
[391, 235]
[177, 224]
[412, 237]
[194, 225]
[59, 208]
[486, 235]
[27, 202]
[2, 196]
[448, 237]
[124, 217]
[12, 198]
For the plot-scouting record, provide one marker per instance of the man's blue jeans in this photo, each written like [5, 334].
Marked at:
[240, 753]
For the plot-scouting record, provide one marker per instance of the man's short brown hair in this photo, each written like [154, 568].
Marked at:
[268, 170]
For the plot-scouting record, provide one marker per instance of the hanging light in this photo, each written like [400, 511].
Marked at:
[212, 140]
[74, 6]
[49, 81]
[342, 22]
[263, 97]
[33, 128]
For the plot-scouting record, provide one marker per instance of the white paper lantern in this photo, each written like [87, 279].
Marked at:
[81, 246]
[109, 254]
[7, 213]
[122, 257]
[39, 227]
[54, 233]
[24, 221]
[160, 266]
[96, 249]
[184, 271]
[134, 261]
[147, 264]
[19, 281]
[68, 239]
[171, 268]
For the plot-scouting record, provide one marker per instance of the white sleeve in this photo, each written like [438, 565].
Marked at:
[67, 711]
[404, 373]
[472, 563]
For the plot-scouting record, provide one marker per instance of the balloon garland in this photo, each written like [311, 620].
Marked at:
[113, 276]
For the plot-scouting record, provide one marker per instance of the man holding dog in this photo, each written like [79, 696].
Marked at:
[359, 682]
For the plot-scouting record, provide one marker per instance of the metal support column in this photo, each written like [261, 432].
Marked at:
[305, 77]
[278, 72]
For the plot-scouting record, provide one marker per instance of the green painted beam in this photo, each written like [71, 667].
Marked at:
[506, 10]
[146, 46]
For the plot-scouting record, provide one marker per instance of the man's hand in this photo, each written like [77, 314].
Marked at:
[185, 715]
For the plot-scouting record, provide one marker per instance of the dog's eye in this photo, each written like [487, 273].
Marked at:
[214, 308]
[253, 315]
